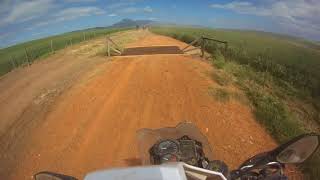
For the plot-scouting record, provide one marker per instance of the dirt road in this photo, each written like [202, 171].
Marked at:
[92, 125]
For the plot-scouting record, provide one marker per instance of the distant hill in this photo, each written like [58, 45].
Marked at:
[131, 23]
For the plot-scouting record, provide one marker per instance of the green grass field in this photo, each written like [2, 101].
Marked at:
[279, 74]
[282, 49]
[15, 56]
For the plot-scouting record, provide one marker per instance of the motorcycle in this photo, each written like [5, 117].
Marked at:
[183, 152]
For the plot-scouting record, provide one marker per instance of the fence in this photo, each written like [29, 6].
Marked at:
[201, 43]
[112, 47]
[27, 53]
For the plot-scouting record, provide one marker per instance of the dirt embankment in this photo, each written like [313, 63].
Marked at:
[92, 125]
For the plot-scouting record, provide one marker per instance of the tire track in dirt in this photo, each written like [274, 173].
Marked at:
[93, 125]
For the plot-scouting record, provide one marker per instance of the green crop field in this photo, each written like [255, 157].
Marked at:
[279, 74]
[282, 49]
[16, 55]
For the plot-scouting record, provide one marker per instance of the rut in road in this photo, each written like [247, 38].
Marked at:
[92, 126]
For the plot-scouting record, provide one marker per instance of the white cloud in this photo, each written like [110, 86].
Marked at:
[77, 1]
[129, 10]
[112, 15]
[147, 9]
[286, 9]
[18, 12]
[242, 7]
[119, 5]
[152, 18]
[68, 14]
[42, 23]
[29, 10]
[29, 28]
[74, 13]
[295, 16]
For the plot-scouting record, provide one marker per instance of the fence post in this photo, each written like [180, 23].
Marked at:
[226, 55]
[202, 47]
[84, 36]
[27, 56]
[108, 47]
[226, 46]
[71, 41]
[52, 50]
[13, 63]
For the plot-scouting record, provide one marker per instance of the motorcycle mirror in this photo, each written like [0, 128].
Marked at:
[52, 176]
[298, 149]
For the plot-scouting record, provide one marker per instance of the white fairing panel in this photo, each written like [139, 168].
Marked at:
[161, 172]
[175, 171]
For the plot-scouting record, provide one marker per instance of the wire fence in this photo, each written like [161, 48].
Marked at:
[26, 53]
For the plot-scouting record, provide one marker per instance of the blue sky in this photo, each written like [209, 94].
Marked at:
[22, 20]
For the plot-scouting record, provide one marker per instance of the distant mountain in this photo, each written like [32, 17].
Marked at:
[131, 23]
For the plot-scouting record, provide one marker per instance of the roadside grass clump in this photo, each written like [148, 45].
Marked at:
[218, 64]
[220, 94]
[268, 108]
[221, 78]
[218, 59]
[187, 38]
[274, 115]
[102, 51]
[288, 75]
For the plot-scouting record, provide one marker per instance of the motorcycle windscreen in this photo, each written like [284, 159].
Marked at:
[148, 137]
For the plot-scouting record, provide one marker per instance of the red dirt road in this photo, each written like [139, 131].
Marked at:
[92, 125]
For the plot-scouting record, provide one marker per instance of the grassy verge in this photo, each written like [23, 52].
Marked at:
[16, 55]
[270, 110]
[271, 78]
[220, 94]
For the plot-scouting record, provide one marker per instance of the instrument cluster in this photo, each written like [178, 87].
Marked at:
[183, 149]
